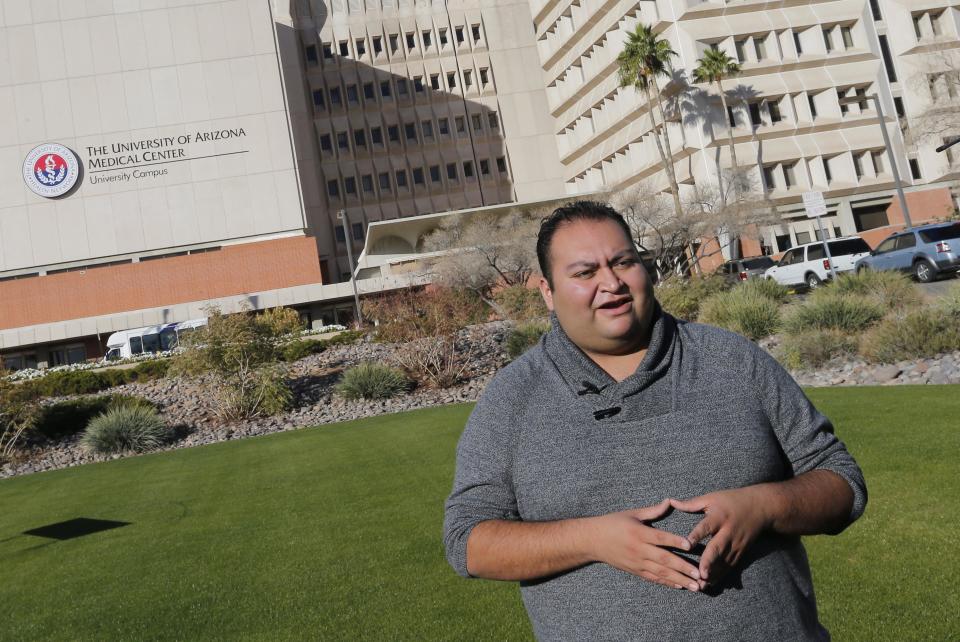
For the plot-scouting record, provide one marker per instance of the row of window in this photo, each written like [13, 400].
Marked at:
[422, 132]
[400, 180]
[355, 94]
[772, 109]
[789, 169]
[396, 45]
[936, 20]
[758, 43]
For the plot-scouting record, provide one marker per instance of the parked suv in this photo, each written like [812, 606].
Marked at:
[926, 251]
[808, 265]
[745, 269]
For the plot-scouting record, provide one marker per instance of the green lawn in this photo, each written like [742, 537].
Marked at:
[334, 533]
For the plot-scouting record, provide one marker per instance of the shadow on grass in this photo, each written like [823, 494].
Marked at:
[73, 528]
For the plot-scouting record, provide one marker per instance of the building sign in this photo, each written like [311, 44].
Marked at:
[51, 170]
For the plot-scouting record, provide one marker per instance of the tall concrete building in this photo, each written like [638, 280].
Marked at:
[799, 60]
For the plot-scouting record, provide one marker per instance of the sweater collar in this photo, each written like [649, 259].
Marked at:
[585, 377]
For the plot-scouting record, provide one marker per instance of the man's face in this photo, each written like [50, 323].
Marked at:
[601, 292]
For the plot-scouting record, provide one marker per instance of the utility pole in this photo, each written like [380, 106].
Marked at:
[348, 240]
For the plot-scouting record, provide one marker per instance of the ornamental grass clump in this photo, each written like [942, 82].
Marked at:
[918, 334]
[125, 429]
[833, 311]
[682, 297]
[813, 348]
[371, 380]
[744, 311]
[891, 290]
[766, 288]
[524, 337]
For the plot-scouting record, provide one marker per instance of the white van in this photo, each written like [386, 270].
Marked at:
[150, 339]
[807, 265]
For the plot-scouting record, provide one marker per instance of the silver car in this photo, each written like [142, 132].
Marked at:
[926, 251]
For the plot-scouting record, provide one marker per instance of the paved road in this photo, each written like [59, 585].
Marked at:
[940, 286]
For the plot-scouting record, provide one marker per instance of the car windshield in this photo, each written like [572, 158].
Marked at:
[941, 233]
[848, 246]
[759, 263]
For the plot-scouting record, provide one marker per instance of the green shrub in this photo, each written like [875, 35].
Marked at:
[844, 312]
[521, 303]
[370, 380]
[921, 333]
[70, 417]
[343, 338]
[682, 297]
[524, 337]
[891, 290]
[124, 429]
[813, 348]
[150, 370]
[767, 288]
[296, 350]
[742, 310]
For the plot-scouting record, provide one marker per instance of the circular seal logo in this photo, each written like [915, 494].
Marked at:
[50, 170]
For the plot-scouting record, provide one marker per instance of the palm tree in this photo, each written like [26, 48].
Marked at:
[644, 57]
[714, 66]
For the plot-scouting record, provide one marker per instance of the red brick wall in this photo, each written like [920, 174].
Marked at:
[925, 207]
[235, 269]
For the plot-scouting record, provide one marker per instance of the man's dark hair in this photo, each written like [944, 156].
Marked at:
[576, 211]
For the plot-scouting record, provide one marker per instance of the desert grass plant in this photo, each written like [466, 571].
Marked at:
[524, 337]
[69, 417]
[921, 333]
[813, 348]
[370, 380]
[949, 303]
[891, 290]
[833, 311]
[682, 297]
[125, 429]
[742, 310]
[520, 303]
[767, 288]
[18, 412]
[242, 354]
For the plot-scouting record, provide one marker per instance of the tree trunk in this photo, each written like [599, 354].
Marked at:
[733, 240]
[666, 153]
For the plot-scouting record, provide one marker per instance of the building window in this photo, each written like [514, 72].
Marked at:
[344, 48]
[393, 133]
[768, 181]
[475, 32]
[917, 17]
[418, 176]
[394, 42]
[760, 48]
[755, 114]
[796, 43]
[775, 115]
[350, 185]
[813, 106]
[898, 105]
[361, 47]
[353, 97]
[935, 23]
[502, 165]
[335, 96]
[385, 181]
[484, 76]
[915, 169]
[318, 98]
[802, 239]
[731, 117]
[357, 231]
[887, 59]
[368, 91]
[343, 142]
[376, 136]
[875, 9]
[411, 41]
[857, 165]
[401, 176]
[418, 84]
[385, 88]
[459, 34]
[338, 233]
[467, 78]
[493, 120]
[402, 86]
[377, 45]
[477, 122]
[847, 37]
[461, 123]
[741, 46]
[827, 40]
[333, 188]
[826, 170]
[359, 138]
[468, 169]
[367, 182]
[435, 173]
[877, 158]
[427, 39]
[435, 81]
[427, 127]
[410, 129]
[443, 125]
[790, 175]
[326, 143]
[452, 79]
[452, 171]
[443, 36]
[327, 52]
[310, 52]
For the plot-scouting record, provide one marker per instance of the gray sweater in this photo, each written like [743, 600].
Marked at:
[554, 437]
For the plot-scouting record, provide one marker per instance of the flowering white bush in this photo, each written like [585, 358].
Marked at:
[35, 373]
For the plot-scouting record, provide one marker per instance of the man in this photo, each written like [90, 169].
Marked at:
[596, 465]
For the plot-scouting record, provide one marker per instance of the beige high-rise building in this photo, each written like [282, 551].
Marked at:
[799, 60]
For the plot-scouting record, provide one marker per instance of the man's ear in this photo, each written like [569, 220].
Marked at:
[546, 293]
